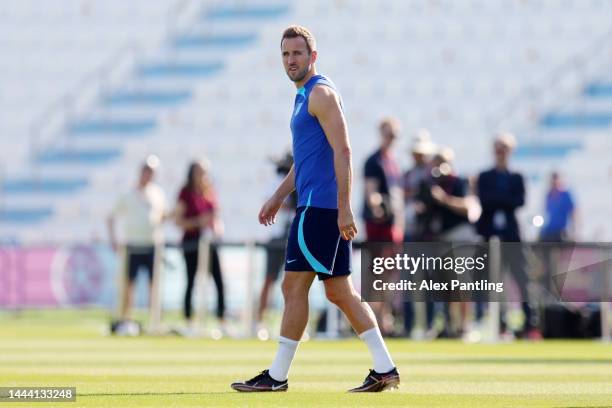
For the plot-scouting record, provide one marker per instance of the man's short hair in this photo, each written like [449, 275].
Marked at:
[295, 31]
[506, 139]
[390, 121]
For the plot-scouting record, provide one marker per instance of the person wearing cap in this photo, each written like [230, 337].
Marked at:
[449, 208]
[421, 151]
[449, 211]
[142, 210]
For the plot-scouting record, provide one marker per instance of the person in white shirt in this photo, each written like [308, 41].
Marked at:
[142, 212]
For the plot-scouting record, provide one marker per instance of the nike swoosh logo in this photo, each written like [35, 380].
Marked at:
[277, 388]
[292, 260]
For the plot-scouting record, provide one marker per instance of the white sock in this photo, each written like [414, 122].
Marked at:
[378, 349]
[279, 369]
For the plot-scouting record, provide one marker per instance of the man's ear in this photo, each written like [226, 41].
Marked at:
[313, 57]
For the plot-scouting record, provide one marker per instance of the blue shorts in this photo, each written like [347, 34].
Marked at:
[315, 244]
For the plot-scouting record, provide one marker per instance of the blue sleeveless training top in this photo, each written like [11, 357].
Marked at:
[315, 177]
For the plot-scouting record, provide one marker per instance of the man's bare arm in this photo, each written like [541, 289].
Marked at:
[286, 186]
[325, 105]
[267, 214]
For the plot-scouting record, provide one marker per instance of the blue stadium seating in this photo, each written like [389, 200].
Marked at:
[153, 98]
[83, 156]
[179, 69]
[599, 90]
[21, 216]
[582, 120]
[549, 150]
[43, 185]
[215, 87]
[247, 12]
[112, 127]
[220, 41]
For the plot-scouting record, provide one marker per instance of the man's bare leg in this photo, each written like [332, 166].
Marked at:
[296, 286]
[126, 302]
[340, 291]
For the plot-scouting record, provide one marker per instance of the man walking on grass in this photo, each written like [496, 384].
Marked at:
[319, 242]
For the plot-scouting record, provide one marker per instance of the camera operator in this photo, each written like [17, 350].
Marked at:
[446, 208]
[447, 211]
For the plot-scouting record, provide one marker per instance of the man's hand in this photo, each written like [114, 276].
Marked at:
[346, 224]
[267, 214]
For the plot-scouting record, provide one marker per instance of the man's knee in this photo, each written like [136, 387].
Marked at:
[338, 295]
[287, 288]
[294, 287]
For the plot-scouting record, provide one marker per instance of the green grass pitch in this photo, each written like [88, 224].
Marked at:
[68, 349]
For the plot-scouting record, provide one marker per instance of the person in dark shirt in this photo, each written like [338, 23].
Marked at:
[447, 207]
[421, 150]
[383, 202]
[445, 201]
[501, 192]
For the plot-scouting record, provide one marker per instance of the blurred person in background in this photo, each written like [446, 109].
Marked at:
[447, 216]
[275, 250]
[421, 151]
[382, 209]
[559, 226]
[559, 219]
[502, 192]
[141, 212]
[448, 207]
[197, 213]
[383, 204]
